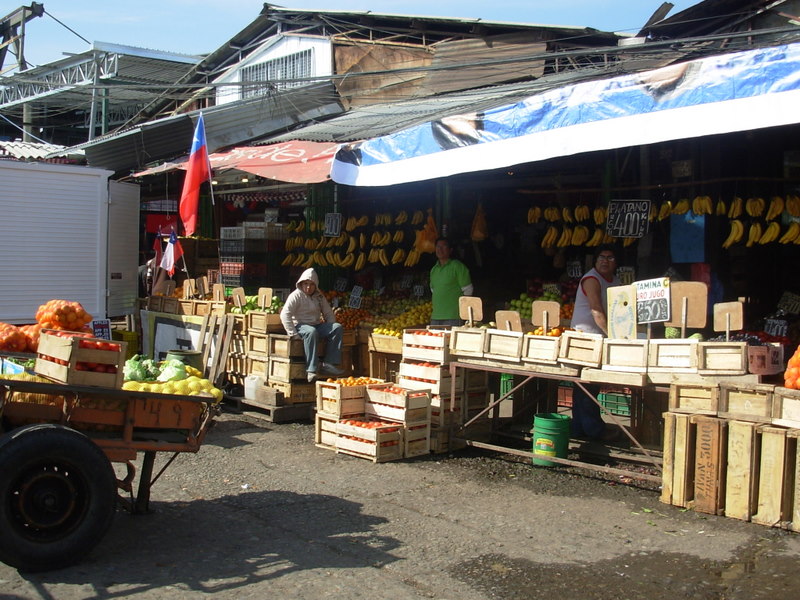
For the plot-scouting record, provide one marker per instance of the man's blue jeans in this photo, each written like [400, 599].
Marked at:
[311, 334]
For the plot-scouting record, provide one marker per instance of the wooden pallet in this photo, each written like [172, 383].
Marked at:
[273, 414]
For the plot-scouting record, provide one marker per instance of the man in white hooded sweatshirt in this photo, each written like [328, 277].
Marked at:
[307, 314]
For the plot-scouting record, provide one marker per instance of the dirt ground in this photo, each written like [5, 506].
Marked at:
[261, 512]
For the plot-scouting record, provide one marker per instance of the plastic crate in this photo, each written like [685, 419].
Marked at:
[232, 281]
[231, 247]
[616, 403]
[231, 268]
[564, 394]
[231, 233]
[506, 385]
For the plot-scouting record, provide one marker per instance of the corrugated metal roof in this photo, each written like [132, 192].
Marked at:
[225, 125]
[28, 150]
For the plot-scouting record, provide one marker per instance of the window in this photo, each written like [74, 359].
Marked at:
[280, 72]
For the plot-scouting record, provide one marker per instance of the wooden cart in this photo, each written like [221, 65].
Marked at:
[58, 490]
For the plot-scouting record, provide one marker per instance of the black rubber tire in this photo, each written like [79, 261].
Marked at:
[57, 497]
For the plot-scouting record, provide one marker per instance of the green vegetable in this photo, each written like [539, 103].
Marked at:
[172, 370]
[138, 369]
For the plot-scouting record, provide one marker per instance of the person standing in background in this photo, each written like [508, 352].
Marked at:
[449, 280]
[589, 315]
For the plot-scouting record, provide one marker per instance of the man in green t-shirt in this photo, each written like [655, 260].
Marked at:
[449, 280]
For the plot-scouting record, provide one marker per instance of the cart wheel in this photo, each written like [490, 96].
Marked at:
[57, 497]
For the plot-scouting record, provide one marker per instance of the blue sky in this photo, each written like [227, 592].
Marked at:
[200, 26]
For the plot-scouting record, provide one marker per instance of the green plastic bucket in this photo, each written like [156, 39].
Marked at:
[550, 437]
[191, 358]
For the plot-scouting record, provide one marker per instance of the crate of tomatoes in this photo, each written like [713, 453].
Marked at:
[77, 358]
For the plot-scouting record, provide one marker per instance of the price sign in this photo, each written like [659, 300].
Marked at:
[101, 328]
[356, 291]
[777, 327]
[377, 283]
[789, 303]
[340, 284]
[652, 300]
[626, 275]
[405, 282]
[628, 218]
[418, 291]
[354, 302]
[333, 225]
[574, 269]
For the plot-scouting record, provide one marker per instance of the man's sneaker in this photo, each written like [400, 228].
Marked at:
[331, 370]
[311, 376]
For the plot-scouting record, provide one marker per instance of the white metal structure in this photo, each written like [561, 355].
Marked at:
[66, 232]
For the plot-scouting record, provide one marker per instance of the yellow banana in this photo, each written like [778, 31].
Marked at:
[791, 233]
[665, 210]
[754, 234]
[793, 205]
[776, 207]
[721, 209]
[735, 209]
[682, 207]
[599, 215]
[287, 260]
[770, 233]
[566, 215]
[348, 260]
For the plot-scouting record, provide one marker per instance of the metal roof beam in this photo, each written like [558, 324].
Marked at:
[24, 88]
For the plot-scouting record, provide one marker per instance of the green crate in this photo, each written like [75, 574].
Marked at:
[616, 404]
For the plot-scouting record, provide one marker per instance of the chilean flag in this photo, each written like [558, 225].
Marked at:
[171, 255]
[197, 171]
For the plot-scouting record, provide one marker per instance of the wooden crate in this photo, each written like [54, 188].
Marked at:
[625, 355]
[540, 349]
[169, 305]
[709, 464]
[209, 307]
[579, 348]
[414, 375]
[295, 392]
[64, 359]
[746, 402]
[441, 442]
[340, 400]
[391, 394]
[678, 467]
[257, 344]
[442, 416]
[776, 471]
[378, 444]
[474, 379]
[325, 431]
[476, 398]
[672, 356]
[263, 322]
[349, 337]
[239, 344]
[741, 472]
[694, 398]
[239, 324]
[256, 365]
[786, 407]
[397, 414]
[467, 341]
[154, 303]
[285, 370]
[794, 517]
[427, 344]
[387, 344]
[503, 345]
[185, 307]
[722, 358]
[284, 346]
[416, 440]
[766, 359]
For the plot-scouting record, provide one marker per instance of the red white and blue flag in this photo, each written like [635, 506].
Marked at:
[172, 254]
[197, 171]
[157, 248]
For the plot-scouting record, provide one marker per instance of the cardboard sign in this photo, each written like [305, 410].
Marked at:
[689, 299]
[652, 300]
[508, 320]
[621, 312]
[470, 308]
[545, 313]
[728, 316]
[628, 218]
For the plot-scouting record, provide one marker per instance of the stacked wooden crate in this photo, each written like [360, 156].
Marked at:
[349, 422]
[286, 369]
[732, 450]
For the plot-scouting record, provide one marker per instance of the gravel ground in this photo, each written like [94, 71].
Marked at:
[261, 511]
